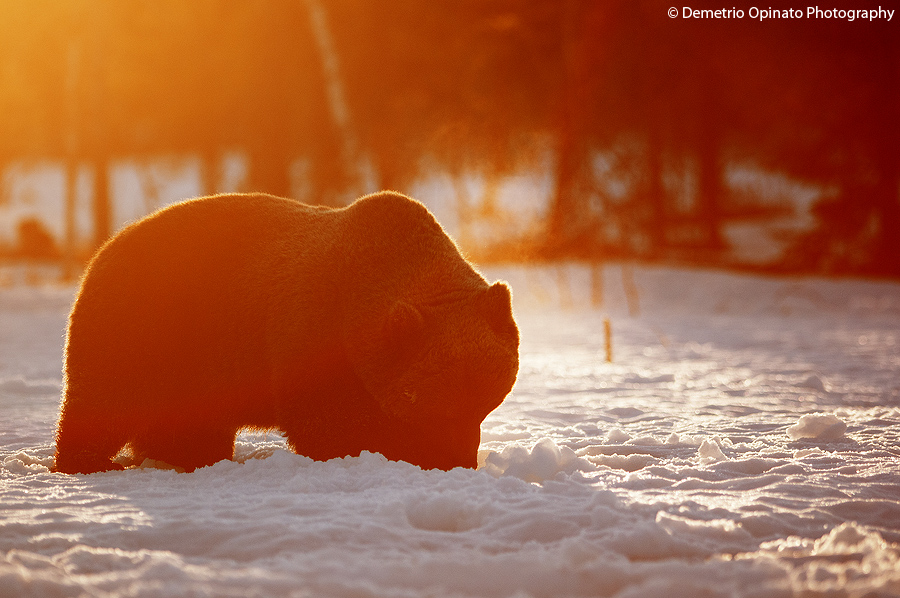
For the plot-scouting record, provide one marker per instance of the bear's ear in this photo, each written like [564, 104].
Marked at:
[403, 326]
[496, 307]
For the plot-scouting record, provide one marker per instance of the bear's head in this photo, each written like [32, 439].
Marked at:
[437, 368]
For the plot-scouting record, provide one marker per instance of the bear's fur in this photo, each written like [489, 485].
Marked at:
[360, 328]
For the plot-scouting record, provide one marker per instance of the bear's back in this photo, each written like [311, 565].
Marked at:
[190, 266]
[216, 219]
[205, 235]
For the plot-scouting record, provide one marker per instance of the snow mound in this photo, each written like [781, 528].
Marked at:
[543, 462]
[814, 382]
[850, 560]
[449, 511]
[633, 462]
[618, 436]
[818, 426]
[710, 452]
[25, 462]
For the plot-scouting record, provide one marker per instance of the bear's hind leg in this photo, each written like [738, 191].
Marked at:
[186, 446]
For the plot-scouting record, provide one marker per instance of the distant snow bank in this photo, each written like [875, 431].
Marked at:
[661, 290]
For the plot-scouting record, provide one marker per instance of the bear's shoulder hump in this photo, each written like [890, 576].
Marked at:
[393, 207]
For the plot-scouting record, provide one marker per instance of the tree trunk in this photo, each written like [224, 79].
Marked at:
[351, 155]
[656, 227]
[567, 210]
[102, 207]
[886, 197]
[710, 185]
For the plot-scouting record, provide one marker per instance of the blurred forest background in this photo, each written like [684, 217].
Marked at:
[570, 129]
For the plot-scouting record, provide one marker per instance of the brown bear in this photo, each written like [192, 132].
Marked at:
[351, 329]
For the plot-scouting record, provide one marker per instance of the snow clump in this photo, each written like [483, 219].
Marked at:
[818, 426]
[543, 462]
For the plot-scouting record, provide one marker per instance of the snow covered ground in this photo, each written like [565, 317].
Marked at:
[744, 441]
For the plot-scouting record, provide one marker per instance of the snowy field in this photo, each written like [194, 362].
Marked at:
[744, 441]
